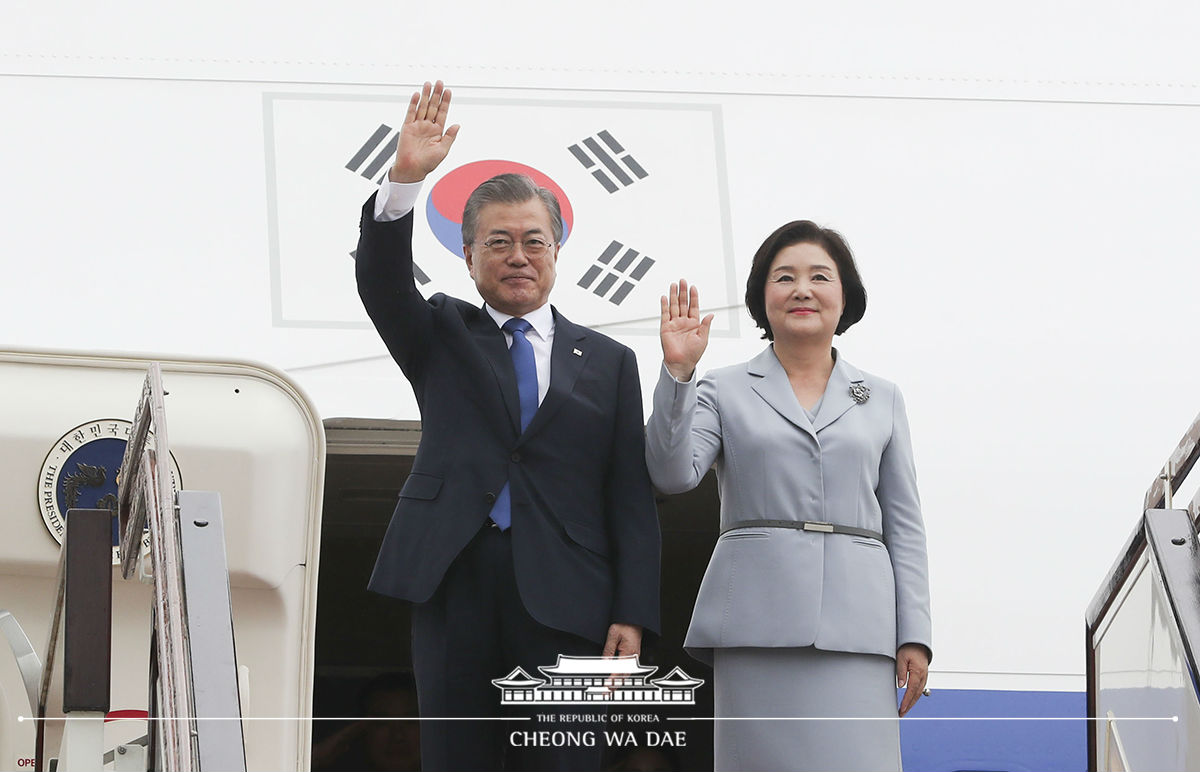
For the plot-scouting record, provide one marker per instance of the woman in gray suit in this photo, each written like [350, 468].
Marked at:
[817, 593]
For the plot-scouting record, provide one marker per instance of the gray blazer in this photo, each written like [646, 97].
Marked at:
[853, 465]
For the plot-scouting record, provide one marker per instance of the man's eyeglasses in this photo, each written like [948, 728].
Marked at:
[502, 247]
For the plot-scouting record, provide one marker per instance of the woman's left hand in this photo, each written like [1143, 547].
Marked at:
[912, 669]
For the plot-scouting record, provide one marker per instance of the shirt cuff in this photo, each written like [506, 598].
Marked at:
[395, 199]
[682, 383]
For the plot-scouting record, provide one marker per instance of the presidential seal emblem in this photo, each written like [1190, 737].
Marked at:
[81, 471]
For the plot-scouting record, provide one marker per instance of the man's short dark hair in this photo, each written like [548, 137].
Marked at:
[854, 294]
[509, 189]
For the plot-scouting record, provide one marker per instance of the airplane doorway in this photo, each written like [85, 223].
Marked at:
[363, 639]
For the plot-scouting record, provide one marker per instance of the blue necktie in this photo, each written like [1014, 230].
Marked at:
[525, 367]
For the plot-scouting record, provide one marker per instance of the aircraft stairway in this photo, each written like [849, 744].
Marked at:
[1143, 636]
[175, 542]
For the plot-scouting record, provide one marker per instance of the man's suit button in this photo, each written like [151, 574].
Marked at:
[489, 498]
[516, 458]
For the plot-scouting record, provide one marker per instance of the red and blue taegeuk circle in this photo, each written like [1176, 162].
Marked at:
[444, 209]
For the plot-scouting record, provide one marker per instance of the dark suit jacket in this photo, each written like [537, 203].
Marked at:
[585, 535]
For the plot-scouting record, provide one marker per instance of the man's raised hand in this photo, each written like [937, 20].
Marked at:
[424, 138]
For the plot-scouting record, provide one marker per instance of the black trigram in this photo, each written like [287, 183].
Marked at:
[602, 161]
[375, 154]
[624, 274]
[421, 277]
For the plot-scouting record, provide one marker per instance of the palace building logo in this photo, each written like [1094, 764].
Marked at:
[583, 680]
[81, 472]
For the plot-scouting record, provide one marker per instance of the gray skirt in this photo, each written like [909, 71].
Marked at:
[817, 687]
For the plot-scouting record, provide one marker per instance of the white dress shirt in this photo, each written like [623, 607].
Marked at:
[396, 199]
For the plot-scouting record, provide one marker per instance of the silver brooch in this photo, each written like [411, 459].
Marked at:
[860, 392]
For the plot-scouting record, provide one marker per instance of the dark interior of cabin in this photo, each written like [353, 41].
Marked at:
[362, 639]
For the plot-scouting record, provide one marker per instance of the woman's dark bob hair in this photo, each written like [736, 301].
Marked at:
[854, 294]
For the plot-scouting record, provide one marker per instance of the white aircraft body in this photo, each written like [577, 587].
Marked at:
[1018, 182]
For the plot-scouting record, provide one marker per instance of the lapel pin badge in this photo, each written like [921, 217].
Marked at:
[860, 392]
[576, 352]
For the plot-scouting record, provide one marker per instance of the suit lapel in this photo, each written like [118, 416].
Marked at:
[771, 383]
[837, 398]
[490, 340]
[568, 356]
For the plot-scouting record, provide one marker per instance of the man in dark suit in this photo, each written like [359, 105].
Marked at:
[527, 528]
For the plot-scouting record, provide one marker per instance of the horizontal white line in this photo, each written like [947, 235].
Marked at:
[283, 718]
[933, 671]
[1173, 719]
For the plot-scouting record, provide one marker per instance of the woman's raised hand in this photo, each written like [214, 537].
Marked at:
[683, 333]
